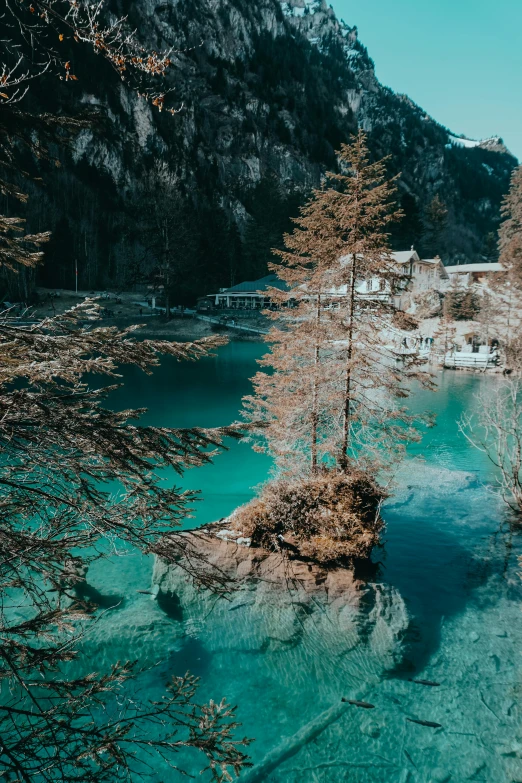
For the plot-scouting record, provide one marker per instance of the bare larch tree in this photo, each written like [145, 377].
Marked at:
[339, 377]
[446, 331]
[332, 405]
[63, 454]
[506, 286]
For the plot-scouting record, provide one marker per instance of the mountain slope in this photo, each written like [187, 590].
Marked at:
[268, 91]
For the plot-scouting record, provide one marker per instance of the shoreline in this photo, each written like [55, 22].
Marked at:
[187, 330]
[125, 309]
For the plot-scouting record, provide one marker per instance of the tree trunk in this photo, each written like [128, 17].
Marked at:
[315, 401]
[343, 461]
[166, 266]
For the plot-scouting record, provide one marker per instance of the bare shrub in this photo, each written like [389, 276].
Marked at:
[496, 430]
[327, 517]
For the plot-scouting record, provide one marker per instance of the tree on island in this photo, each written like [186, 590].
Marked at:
[76, 478]
[331, 410]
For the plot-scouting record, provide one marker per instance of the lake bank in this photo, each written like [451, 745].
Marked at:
[126, 309]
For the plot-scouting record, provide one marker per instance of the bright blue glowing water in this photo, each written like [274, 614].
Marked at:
[447, 607]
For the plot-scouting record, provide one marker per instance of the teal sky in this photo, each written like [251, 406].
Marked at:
[461, 60]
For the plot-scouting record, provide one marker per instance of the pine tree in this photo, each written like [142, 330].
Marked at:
[510, 233]
[490, 248]
[62, 453]
[373, 424]
[169, 237]
[331, 410]
[499, 417]
[409, 231]
[462, 301]
[269, 211]
[333, 398]
[290, 400]
[58, 268]
[19, 250]
[75, 476]
[486, 316]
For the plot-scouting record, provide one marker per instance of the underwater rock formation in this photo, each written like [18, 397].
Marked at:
[280, 600]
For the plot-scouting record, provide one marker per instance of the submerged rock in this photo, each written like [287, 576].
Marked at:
[281, 601]
[232, 552]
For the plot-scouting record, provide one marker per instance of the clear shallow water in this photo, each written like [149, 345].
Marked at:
[445, 604]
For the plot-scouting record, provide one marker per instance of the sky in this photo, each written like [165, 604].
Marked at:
[460, 60]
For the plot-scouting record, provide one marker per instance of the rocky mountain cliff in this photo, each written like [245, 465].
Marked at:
[266, 91]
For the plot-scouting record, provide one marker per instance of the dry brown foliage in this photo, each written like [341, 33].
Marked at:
[404, 321]
[40, 37]
[327, 517]
[510, 233]
[506, 287]
[338, 384]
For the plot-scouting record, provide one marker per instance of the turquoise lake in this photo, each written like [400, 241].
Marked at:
[444, 604]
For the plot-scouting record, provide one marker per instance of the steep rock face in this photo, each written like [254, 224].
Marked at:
[266, 91]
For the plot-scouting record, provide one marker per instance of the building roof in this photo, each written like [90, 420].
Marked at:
[254, 286]
[405, 256]
[483, 267]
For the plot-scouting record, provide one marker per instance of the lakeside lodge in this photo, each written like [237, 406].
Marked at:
[419, 277]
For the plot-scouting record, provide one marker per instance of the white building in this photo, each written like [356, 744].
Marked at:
[250, 295]
[466, 274]
[415, 276]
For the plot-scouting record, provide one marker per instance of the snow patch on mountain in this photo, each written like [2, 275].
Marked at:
[494, 143]
[464, 142]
